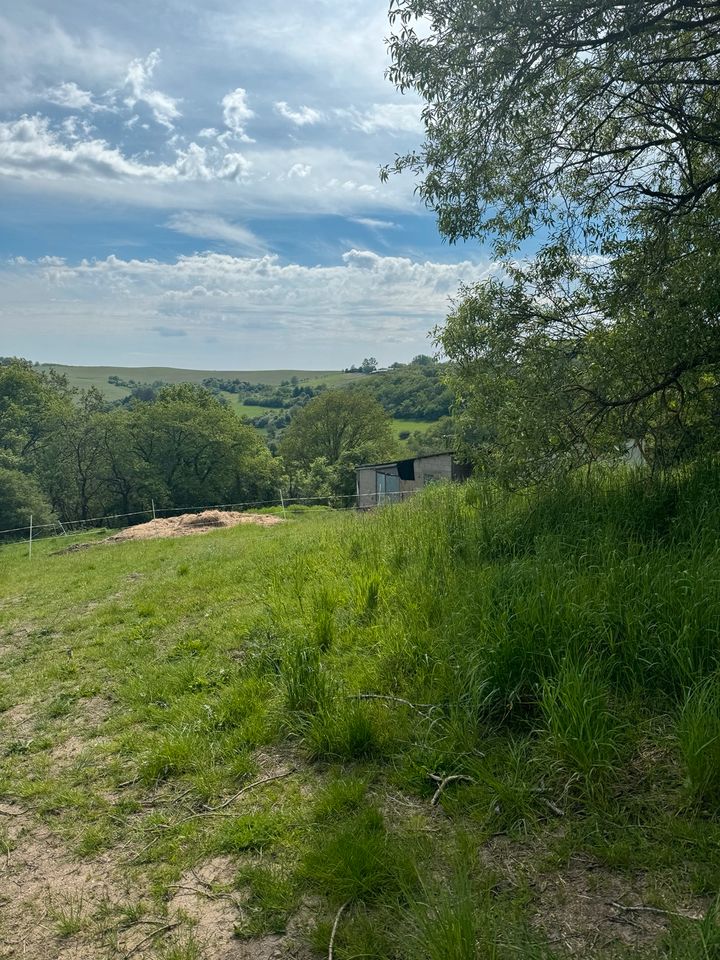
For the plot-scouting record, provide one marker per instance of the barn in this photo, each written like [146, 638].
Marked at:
[379, 483]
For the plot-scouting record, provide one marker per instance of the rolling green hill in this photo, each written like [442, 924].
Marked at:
[85, 377]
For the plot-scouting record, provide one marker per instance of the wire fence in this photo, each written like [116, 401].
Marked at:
[29, 532]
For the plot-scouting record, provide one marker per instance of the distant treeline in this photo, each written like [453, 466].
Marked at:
[413, 391]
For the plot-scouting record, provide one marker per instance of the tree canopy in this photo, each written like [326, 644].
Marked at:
[589, 131]
[340, 428]
[69, 452]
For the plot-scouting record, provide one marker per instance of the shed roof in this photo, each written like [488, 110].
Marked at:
[394, 463]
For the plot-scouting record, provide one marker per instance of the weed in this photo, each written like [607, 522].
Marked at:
[341, 796]
[273, 897]
[358, 860]
[442, 920]
[699, 738]
[583, 734]
[185, 949]
[694, 939]
[252, 831]
[324, 620]
[68, 915]
[306, 684]
[344, 730]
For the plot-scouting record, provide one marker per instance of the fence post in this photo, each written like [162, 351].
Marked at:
[282, 501]
[153, 508]
[30, 540]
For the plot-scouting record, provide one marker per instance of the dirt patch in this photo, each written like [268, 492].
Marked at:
[94, 711]
[190, 523]
[204, 894]
[18, 720]
[45, 894]
[584, 907]
[587, 907]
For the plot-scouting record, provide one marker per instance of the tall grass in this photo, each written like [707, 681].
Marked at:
[699, 739]
[552, 614]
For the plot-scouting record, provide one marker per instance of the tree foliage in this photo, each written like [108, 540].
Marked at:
[594, 129]
[414, 391]
[73, 452]
[341, 428]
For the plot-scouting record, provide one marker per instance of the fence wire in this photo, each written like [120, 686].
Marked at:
[89, 523]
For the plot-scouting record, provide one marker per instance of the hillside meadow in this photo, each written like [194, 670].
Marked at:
[469, 726]
[85, 377]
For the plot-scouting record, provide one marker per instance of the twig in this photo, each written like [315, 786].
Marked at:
[153, 933]
[208, 894]
[218, 811]
[11, 813]
[334, 928]
[419, 707]
[249, 786]
[444, 782]
[641, 909]
[558, 811]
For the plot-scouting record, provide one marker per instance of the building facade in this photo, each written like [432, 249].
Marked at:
[380, 483]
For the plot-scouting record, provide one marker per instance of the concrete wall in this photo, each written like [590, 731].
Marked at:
[432, 469]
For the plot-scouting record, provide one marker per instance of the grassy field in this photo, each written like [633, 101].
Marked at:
[85, 377]
[465, 727]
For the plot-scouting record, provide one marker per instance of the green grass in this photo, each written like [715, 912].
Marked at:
[467, 719]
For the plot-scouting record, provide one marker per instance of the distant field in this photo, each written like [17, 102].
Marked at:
[85, 377]
[248, 409]
[412, 425]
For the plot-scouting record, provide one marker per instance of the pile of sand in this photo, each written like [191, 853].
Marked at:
[189, 523]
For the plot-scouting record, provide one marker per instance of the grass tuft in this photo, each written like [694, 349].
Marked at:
[699, 740]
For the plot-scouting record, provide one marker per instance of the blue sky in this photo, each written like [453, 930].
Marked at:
[196, 184]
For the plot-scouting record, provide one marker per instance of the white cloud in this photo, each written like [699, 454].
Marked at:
[236, 113]
[71, 96]
[300, 117]
[213, 227]
[30, 148]
[36, 50]
[301, 170]
[76, 129]
[70, 159]
[376, 224]
[234, 166]
[208, 133]
[279, 310]
[139, 74]
[389, 117]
